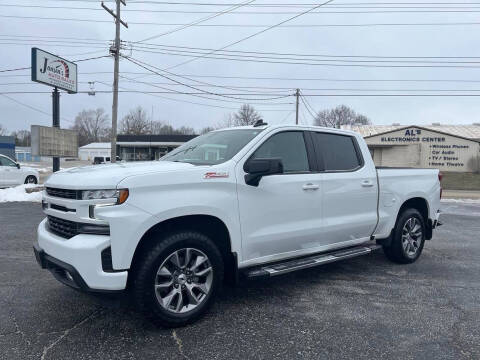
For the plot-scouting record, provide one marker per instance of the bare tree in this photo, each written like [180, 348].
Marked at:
[92, 125]
[206, 129]
[158, 127]
[22, 137]
[3, 130]
[246, 115]
[136, 122]
[341, 115]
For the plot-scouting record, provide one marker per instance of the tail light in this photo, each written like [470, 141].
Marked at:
[440, 177]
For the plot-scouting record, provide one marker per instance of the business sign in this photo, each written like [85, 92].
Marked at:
[53, 141]
[52, 70]
[433, 149]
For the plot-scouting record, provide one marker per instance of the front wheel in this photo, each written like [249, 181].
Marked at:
[177, 279]
[408, 238]
[31, 179]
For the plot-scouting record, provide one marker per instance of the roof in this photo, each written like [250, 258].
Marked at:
[471, 132]
[97, 145]
[155, 138]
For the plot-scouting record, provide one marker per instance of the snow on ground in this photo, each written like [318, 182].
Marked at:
[18, 193]
[461, 201]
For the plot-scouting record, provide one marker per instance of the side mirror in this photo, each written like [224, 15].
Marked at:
[257, 168]
[18, 165]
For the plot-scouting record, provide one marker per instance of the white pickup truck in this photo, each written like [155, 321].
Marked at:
[252, 202]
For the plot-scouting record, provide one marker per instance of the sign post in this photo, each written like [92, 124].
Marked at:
[54, 71]
[56, 122]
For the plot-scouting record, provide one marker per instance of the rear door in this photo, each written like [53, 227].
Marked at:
[282, 215]
[349, 188]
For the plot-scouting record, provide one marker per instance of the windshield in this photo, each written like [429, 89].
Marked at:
[212, 148]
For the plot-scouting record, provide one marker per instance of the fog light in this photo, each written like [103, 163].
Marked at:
[44, 205]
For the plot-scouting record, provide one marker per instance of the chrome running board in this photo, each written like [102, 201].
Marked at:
[280, 268]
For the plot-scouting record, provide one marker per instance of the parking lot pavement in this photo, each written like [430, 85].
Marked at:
[362, 308]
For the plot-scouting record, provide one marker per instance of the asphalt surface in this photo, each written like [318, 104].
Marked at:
[362, 308]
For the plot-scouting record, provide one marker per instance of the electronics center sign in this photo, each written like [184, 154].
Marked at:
[52, 70]
[421, 147]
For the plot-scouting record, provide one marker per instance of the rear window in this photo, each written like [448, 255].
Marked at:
[337, 152]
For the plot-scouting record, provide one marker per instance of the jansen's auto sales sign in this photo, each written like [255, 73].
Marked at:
[52, 70]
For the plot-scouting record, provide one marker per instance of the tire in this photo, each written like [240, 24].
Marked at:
[407, 245]
[157, 276]
[30, 179]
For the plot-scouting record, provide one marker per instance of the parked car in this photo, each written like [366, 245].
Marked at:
[256, 201]
[12, 174]
[103, 160]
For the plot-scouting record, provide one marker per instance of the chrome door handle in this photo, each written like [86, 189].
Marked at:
[310, 186]
[367, 183]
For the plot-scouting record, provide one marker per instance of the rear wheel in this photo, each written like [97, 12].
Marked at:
[408, 238]
[176, 281]
[31, 179]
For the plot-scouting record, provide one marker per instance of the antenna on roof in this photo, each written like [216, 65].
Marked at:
[259, 122]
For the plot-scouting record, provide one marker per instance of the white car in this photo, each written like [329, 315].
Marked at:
[12, 174]
[256, 201]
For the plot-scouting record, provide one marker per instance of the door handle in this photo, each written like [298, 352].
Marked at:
[367, 183]
[310, 186]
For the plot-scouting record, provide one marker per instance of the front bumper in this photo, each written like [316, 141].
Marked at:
[77, 261]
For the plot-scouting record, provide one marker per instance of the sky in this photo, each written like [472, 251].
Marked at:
[442, 52]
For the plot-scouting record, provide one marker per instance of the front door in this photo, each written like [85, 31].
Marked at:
[282, 215]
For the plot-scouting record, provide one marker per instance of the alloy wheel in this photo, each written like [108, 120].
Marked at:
[184, 280]
[412, 237]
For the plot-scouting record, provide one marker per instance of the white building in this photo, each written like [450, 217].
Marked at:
[89, 151]
[450, 148]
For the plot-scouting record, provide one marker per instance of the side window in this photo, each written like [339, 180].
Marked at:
[288, 146]
[6, 162]
[338, 152]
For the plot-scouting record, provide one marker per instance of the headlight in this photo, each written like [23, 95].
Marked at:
[121, 195]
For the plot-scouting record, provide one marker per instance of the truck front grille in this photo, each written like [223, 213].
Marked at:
[68, 229]
[62, 227]
[63, 193]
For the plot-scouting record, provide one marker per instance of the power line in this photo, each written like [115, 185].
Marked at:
[54, 37]
[241, 52]
[144, 66]
[332, 62]
[16, 69]
[75, 61]
[31, 107]
[243, 94]
[310, 25]
[307, 107]
[255, 34]
[187, 101]
[206, 97]
[416, 6]
[272, 78]
[275, 4]
[256, 89]
[197, 22]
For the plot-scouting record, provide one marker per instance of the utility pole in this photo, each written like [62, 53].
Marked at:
[297, 94]
[116, 53]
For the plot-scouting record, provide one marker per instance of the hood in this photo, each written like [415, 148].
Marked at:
[107, 176]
